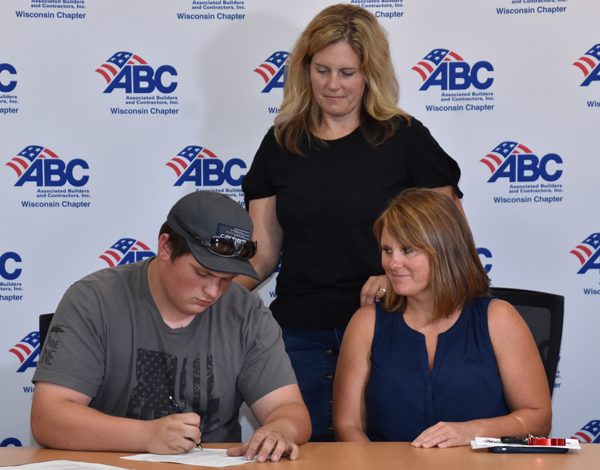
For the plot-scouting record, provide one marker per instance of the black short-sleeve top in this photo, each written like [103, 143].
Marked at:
[327, 201]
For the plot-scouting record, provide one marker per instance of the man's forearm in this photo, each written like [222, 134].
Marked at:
[74, 426]
[292, 420]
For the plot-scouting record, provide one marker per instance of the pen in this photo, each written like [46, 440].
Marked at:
[178, 409]
[513, 440]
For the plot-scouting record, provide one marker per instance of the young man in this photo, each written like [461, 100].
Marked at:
[157, 356]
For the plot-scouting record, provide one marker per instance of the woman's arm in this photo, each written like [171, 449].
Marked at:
[521, 369]
[352, 373]
[449, 191]
[269, 237]
[524, 382]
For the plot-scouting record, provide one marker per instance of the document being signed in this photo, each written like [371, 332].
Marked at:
[206, 457]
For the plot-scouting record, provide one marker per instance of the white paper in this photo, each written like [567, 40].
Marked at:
[483, 442]
[62, 465]
[206, 457]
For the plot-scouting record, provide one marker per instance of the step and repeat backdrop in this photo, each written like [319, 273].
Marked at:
[111, 110]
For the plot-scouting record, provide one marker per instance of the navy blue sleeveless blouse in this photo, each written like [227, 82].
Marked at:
[403, 397]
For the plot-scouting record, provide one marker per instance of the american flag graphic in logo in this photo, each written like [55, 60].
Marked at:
[272, 64]
[589, 61]
[590, 433]
[25, 348]
[115, 254]
[430, 62]
[587, 247]
[116, 62]
[26, 157]
[494, 159]
[180, 162]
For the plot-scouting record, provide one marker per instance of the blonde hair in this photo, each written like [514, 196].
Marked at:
[299, 113]
[430, 222]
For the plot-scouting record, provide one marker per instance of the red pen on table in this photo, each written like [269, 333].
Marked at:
[534, 441]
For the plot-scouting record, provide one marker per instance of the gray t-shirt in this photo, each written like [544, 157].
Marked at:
[108, 341]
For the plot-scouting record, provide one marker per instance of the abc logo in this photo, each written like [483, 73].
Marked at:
[135, 256]
[213, 172]
[460, 76]
[144, 79]
[278, 81]
[7, 86]
[7, 269]
[11, 441]
[592, 77]
[592, 263]
[528, 167]
[55, 172]
[484, 256]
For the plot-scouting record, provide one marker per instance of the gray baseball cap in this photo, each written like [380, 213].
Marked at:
[218, 231]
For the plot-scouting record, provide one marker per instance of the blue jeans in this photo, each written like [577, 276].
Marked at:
[314, 355]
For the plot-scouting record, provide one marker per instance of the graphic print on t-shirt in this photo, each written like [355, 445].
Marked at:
[155, 375]
[51, 345]
[149, 398]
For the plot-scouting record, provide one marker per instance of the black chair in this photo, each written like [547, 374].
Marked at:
[44, 325]
[543, 313]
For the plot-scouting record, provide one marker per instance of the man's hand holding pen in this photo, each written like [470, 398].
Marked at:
[173, 434]
[176, 433]
[178, 409]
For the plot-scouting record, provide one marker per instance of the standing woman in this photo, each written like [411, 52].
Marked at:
[340, 149]
[439, 361]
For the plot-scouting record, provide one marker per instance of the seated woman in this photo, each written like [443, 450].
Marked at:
[439, 361]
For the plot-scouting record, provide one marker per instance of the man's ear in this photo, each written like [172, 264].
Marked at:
[164, 246]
